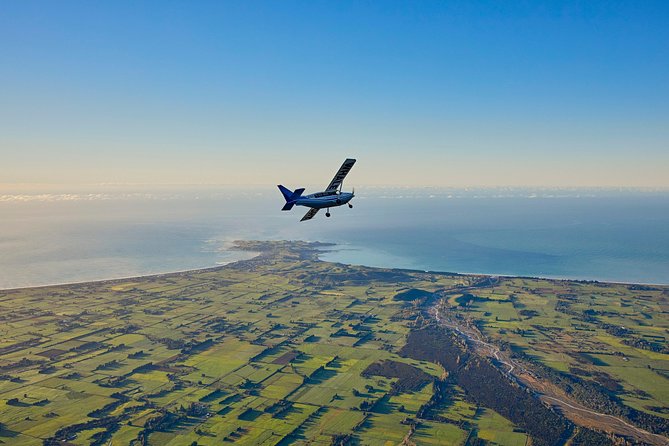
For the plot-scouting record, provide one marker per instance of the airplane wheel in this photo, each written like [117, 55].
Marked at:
[327, 214]
[350, 206]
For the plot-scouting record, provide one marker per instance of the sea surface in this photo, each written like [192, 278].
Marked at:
[71, 236]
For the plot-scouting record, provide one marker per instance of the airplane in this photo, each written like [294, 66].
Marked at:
[331, 197]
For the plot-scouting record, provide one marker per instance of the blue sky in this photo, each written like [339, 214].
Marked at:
[422, 93]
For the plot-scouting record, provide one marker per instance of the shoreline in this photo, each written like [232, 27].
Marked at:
[505, 275]
[319, 252]
[136, 276]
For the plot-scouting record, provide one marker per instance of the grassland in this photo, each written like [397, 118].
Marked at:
[273, 351]
[613, 335]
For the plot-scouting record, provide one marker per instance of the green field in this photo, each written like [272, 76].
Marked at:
[273, 351]
[615, 333]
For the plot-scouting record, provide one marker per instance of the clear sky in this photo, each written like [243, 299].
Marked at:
[449, 93]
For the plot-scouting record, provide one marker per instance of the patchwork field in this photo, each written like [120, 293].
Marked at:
[286, 349]
[615, 335]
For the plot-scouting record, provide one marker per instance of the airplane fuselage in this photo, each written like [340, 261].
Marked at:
[322, 200]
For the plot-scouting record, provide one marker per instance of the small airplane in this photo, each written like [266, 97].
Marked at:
[331, 197]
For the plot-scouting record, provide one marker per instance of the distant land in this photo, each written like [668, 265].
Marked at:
[285, 348]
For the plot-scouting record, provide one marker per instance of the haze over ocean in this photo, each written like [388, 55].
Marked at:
[579, 234]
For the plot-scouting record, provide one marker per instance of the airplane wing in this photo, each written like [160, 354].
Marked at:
[340, 175]
[309, 215]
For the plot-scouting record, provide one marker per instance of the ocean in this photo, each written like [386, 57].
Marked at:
[598, 234]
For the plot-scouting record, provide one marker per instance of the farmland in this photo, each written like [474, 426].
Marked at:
[287, 349]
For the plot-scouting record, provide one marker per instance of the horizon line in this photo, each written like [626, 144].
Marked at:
[36, 187]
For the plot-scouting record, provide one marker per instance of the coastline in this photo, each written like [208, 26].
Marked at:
[490, 274]
[237, 246]
[218, 265]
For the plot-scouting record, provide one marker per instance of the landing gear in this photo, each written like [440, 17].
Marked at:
[350, 206]
[327, 214]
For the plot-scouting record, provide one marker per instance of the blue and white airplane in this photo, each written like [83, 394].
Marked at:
[331, 197]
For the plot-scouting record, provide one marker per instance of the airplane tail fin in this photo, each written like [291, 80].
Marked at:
[287, 193]
[290, 197]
